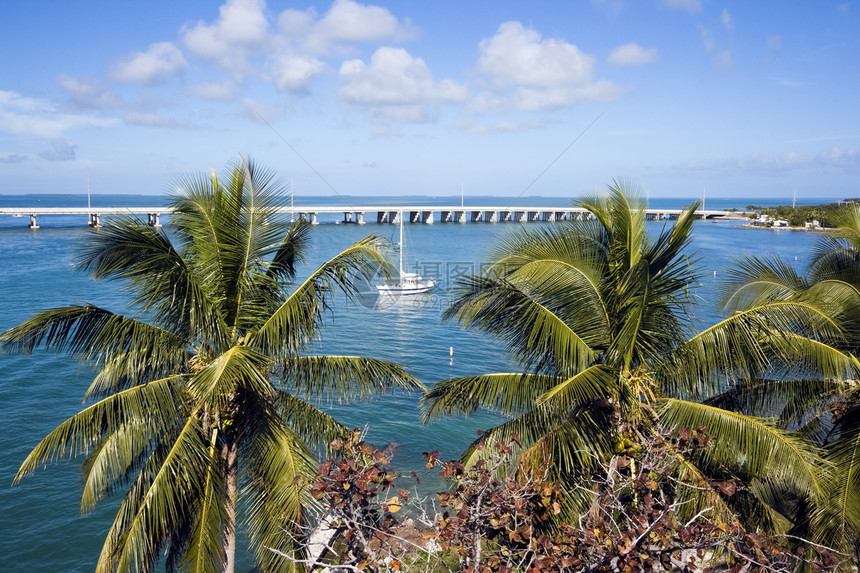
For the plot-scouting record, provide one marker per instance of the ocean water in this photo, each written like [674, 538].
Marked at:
[41, 528]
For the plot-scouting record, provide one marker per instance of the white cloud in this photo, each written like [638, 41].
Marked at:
[291, 47]
[87, 94]
[726, 20]
[241, 29]
[397, 87]
[721, 57]
[152, 67]
[685, 5]
[767, 162]
[13, 158]
[350, 22]
[544, 74]
[28, 116]
[61, 150]
[216, 91]
[633, 54]
[294, 72]
[151, 119]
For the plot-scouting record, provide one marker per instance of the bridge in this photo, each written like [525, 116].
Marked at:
[357, 214]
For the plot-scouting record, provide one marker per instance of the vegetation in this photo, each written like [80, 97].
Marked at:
[827, 215]
[827, 412]
[599, 315]
[202, 407]
[632, 440]
[487, 522]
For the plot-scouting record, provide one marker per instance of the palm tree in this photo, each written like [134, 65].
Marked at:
[203, 404]
[599, 315]
[826, 411]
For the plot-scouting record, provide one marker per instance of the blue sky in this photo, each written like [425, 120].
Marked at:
[503, 97]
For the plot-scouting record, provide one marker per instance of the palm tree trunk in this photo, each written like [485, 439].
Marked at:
[231, 455]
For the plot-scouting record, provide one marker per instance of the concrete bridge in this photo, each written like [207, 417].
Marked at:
[359, 214]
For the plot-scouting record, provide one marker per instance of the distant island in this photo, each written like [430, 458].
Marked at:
[824, 216]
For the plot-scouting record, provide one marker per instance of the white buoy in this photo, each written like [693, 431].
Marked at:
[451, 355]
[715, 274]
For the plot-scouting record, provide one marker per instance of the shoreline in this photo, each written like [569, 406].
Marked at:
[804, 229]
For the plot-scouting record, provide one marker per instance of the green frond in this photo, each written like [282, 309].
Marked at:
[158, 501]
[98, 335]
[343, 378]
[594, 383]
[238, 368]
[112, 460]
[289, 328]
[749, 343]
[790, 400]
[290, 251]
[315, 428]
[525, 321]
[158, 403]
[509, 394]
[133, 252]
[838, 519]
[277, 497]
[751, 445]
[573, 288]
[754, 281]
[205, 547]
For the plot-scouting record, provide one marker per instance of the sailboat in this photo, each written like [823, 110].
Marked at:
[408, 283]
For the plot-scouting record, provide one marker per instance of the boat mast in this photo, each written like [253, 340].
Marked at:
[400, 250]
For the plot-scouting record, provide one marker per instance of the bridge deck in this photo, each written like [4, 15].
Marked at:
[355, 214]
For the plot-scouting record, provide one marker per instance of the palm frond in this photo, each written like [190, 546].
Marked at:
[344, 378]
[838, 519]
[112, 460]
[133, 252]
[315, 428]
[749, 343]
[288, 329]
[158, 501]
[530, 328]
[238, 368]
[508, 393]
[751, 445]
[204, 552]
[754, 281]
[100, 336]
[594, 383]
[277, 497]
[290, 250]
[158, 403]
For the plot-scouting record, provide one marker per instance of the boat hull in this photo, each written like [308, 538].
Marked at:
[399, 289]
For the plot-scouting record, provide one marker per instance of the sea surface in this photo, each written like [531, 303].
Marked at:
[41, 527]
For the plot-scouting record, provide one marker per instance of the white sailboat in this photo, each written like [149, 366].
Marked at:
[408, 283]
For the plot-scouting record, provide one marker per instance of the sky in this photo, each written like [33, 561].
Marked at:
[502, 97]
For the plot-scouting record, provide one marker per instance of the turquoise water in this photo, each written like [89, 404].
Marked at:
[41, 528]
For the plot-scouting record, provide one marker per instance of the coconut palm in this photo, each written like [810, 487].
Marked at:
[598, 314]
[826, 411]
[205, 405]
